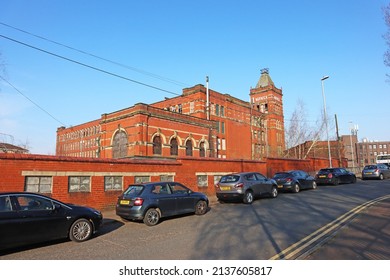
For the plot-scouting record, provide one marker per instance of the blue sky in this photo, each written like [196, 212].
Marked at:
[176, 44]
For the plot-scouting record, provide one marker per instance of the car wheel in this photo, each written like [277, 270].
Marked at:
[80, 230]
[314, 185]
[201, 207]
[152, 217]
[353, 180]
[274, 192]
[380, 176]
[295, 188]
[248, 197]
[336, 181]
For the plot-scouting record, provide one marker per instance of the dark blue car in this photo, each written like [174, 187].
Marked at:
[151, 201]
[294, 180]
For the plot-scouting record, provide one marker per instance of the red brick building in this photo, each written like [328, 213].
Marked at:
[199, 123]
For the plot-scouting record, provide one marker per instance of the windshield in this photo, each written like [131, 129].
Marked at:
[370, 167]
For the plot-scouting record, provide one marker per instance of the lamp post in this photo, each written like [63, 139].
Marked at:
[326, 120]
[354, 129]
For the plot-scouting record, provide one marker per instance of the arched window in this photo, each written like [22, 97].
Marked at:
[189, 148]
[157, 145]
[119, 145]
[202, 150]
[174, 147]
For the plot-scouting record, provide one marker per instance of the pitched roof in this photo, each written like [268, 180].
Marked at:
[265, 79]
[9, 148]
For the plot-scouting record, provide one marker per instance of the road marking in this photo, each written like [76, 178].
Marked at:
[311, 242]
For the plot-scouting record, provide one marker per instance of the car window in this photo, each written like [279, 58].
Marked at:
[177, 188]
[5, 204]
[134, 190]
[260, 176]
[370, 167]
[27, 202]
[229, 179]
[281, 175]
[161, 189]
[250, 177]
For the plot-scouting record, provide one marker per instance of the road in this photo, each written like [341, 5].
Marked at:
[229, 231]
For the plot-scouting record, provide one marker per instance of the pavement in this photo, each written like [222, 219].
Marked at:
[363, 236]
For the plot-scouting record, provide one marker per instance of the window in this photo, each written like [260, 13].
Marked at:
[202, 150]
[119, 145]
[192, 107]
[223, 127]
[222, 111]
[31, 203]
[113, 183]
[189, 148]
[217, 110]
[38, 184]
[5, 203]
[79, 184]
[141, 179]
[202, 180]
[166, 178]
[180, 110]
[157, 145]
[174, 147]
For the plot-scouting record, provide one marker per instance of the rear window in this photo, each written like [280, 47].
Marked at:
[281, 175]
[326, 170]
[370, 167]
[230, 179]
[134, 190]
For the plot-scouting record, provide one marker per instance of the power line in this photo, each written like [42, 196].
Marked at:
[99, 57]
[89, 66]
[29, 99]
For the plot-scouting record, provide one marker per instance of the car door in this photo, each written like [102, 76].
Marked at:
[263, 184]
[164, 199]
[39, 219]
[304, 179]
[10, 233]
[184, 201]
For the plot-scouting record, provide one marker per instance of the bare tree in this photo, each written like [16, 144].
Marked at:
[299, 131]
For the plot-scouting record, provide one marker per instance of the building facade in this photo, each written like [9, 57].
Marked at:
[199, 123]
[367, 151]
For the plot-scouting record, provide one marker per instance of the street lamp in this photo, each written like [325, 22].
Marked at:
[326, 120]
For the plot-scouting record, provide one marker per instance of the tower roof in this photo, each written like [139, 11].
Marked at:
[265, 79]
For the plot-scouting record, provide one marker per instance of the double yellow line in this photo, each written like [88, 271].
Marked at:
[311, 242]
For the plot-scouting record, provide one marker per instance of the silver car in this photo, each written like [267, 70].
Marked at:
[245, 186]
[377, 171]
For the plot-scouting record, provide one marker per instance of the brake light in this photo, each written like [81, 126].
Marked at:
[288, 180]
[376, 170]
[330, 175]
[239, 186]
[138, 201]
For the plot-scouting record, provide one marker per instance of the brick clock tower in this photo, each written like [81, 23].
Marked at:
[267, 118]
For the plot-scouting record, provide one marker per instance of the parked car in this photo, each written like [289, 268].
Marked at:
[151, 201]
[335, 176]
[245, 186]
[294, 181]
[377, 171]
[28, 218]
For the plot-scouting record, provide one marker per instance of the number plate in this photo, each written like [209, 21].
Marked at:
[322, 176]
[225, 188]
[124, 202]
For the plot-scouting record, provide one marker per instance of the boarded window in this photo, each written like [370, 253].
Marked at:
[79, 184]
[39, 184]
[119, 145]
[189, 148]
[157, 145]
[113, 183]
[174, 147]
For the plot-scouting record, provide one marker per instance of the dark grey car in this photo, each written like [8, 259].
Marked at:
[151, 201]
[245, 186]
[376, 171]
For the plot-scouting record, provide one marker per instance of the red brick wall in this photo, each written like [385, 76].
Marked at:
[15, 167]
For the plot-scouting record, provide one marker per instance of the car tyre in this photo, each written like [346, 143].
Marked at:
[201, 207]
[248, 197]
[295, 188]
[336, 181]
[152, 217]
[81, 230]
